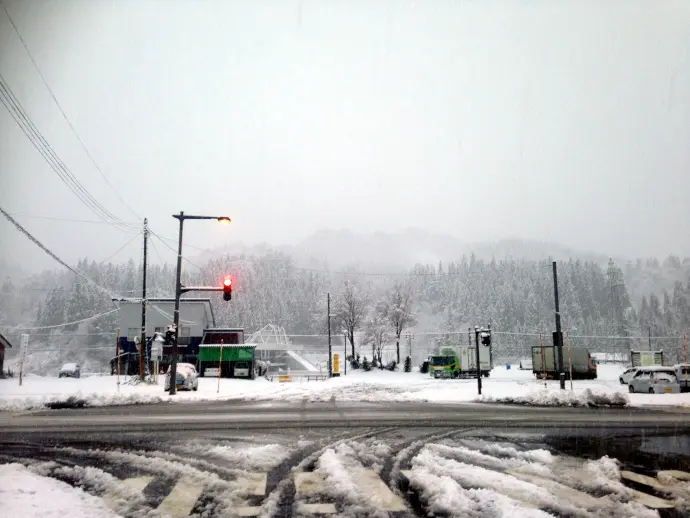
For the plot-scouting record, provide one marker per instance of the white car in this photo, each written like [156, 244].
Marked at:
[627, 375]
[654, 380]
[187, 377]
[70, 370]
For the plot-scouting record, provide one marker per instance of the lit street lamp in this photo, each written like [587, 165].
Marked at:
[181, 217]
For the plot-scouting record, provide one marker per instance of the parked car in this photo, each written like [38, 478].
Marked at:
[70, 370]
[683, 374]
[624, 378]
[187, 377]
[654, 380]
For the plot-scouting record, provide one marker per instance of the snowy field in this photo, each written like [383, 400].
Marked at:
[503, 386]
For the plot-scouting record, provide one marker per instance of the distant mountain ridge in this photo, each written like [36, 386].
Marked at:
[386, 251]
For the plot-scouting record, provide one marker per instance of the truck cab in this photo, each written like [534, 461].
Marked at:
[444, 366]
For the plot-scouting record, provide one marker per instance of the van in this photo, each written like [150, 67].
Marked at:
[682, 371]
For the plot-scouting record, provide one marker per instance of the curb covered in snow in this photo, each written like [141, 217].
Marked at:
[563, 398]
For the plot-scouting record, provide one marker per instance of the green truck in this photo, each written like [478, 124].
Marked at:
[456, 362]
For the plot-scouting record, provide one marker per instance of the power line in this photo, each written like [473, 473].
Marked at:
[153, 245]
[67, 323]
[51, 254]
[74, 131]
[70, 220]
[120, 249]
[175, 251]
[29, 129]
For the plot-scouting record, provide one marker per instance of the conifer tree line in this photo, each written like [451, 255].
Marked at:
[515, 296]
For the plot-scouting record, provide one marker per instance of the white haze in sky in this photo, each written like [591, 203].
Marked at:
[560, 121]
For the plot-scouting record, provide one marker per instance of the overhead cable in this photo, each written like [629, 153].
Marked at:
[64, 115]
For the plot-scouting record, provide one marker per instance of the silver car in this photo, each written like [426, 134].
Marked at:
[625, 377]
[654, 380]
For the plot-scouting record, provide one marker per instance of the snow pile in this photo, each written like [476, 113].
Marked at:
[77, 400]
[258, 457]
[27, 494]
[546, 397]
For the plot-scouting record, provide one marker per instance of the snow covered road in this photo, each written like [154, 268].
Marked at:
[386, 472]
[357, 386]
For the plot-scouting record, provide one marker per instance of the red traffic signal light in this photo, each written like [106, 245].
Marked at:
[227, 288]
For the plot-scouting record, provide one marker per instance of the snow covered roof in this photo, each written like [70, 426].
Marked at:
[226, 346]
[4, 341]
[183, 301]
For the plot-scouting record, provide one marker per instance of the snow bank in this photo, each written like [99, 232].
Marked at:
[27, 494]
[504, 386]
[76, 400]
[546, 397]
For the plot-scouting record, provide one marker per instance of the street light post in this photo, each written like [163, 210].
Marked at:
[181, 217]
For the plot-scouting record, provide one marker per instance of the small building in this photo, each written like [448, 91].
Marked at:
[224, 348]
[196, 315]
[4, 343]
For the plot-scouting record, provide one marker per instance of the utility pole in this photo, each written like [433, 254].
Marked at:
[479, 370]
[143, 305]
[330, 350]
[649, 330]
[559, 337]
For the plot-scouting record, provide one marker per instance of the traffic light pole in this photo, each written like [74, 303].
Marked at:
[176, 314]
[559, 335]
[179, 289]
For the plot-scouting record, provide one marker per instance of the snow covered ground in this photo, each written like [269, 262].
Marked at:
[503, 386]
[27, 494]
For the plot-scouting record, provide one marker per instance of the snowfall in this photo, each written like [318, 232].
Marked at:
[503, 386]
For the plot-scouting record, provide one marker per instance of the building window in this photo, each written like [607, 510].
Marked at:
[183, 338]
[132, 332]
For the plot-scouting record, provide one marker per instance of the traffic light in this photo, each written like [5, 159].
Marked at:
[170, 335]
[486, 338]
[227, 288]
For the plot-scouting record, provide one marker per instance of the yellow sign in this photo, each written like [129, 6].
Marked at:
[283, 379]
[336, 363]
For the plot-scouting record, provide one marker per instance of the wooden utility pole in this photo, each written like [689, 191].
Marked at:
[330, 349]
[143, 305]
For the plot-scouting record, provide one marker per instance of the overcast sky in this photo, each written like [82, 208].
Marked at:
[560, 120]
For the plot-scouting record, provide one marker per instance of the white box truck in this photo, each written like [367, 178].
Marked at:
[545, 362]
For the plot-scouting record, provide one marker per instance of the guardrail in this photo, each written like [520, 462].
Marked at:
[284, 377]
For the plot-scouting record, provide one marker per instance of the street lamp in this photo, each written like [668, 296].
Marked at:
[181, 217]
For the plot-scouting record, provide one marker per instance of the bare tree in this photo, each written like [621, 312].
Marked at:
[398, 311]
[352, 307]
[376, 331]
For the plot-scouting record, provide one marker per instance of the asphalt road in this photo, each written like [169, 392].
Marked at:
[358, 459]
[229, 415]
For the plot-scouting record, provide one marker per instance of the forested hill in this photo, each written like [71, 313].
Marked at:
[514, 295]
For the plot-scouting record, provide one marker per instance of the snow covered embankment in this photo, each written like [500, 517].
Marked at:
[566, 398]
